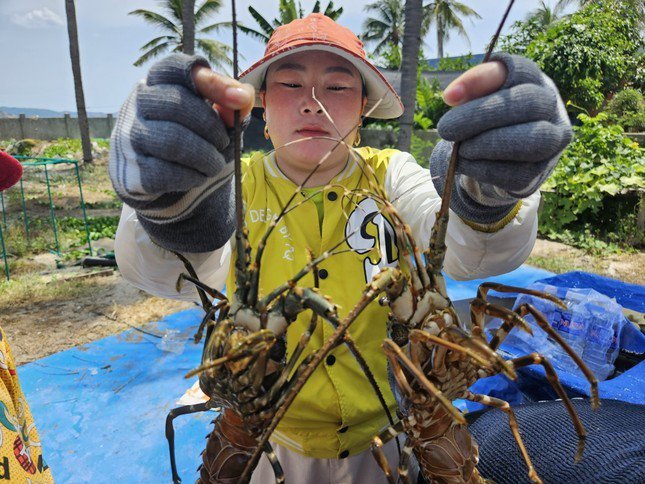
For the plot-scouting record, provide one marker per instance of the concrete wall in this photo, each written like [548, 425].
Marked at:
[53, 128]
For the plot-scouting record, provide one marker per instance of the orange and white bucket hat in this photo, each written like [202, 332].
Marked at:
[318, 32]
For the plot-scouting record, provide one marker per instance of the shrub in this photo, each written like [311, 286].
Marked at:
[599, 164]
[628, 109]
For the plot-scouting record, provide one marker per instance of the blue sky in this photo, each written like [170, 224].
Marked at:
[34, 51]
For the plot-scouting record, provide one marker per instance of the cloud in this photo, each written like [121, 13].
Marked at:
[37, 18]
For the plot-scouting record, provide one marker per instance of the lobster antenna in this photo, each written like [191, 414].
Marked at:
[239, 210]
[438, 240]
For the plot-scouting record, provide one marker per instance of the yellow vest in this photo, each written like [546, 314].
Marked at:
[337, 412]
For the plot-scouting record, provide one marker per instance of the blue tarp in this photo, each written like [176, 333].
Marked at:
[101, 408]
[628, 386]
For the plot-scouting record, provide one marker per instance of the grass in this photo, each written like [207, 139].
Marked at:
[559, 265]
[33, 289]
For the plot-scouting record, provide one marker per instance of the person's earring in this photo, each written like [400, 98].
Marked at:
[266, 132]
[357, 140]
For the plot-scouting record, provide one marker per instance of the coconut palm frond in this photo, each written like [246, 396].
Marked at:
[266, 27]
[155, 42]
[254, 33]
[156, 19]
[152, 53]
[216, 27]
[217, 53]
[206, 9]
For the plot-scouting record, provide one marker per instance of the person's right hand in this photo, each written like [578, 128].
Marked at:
[171, 152]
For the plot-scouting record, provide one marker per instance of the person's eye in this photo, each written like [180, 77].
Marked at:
[291, 85]
[338, 88]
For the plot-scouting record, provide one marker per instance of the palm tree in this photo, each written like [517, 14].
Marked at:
[188, 26]
[288, 11]
[386, 29]
[216, 52]
[411, 47]
[83, 124]
[445, 14]
[546, 16]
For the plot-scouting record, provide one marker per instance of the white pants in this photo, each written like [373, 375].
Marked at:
[357, 469]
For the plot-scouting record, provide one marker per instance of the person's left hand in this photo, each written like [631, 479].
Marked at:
[512, 126]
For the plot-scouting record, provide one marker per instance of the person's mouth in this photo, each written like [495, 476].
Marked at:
[312, 131]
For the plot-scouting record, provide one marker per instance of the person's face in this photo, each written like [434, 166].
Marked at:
[293, 114]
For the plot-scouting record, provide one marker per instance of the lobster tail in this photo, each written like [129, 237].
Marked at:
[228, 450]
[452, 457]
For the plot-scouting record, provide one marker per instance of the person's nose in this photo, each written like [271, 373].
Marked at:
[309, 104]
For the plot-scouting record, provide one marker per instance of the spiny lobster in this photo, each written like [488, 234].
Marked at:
[245, 369]
[434, 358]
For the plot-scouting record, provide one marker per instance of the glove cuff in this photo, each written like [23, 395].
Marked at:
[462, 203]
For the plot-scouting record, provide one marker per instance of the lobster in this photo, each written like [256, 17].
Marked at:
[434, 357]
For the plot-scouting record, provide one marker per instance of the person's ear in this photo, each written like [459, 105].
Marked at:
[263, 99]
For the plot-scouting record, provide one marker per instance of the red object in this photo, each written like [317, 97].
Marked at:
[318, 32]
[10, 171]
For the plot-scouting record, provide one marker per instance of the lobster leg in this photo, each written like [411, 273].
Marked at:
[170, 432]
[512, 421]
[398, 360]
[381, 460]
[543, 323]
[552, 377]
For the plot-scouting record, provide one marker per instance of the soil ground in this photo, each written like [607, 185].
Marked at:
[112, 305]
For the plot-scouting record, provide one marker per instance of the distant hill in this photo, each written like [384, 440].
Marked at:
[9, 112]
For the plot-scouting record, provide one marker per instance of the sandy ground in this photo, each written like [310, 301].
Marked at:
[40, 329]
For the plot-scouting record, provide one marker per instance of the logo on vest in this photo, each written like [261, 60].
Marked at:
[367, 229]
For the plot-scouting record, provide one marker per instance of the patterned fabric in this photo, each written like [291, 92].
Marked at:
[614, 450]
[21, 457]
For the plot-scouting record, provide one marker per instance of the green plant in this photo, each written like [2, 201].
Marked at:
[628, 109]
[22, 147]
[599, 164]
[69, 147]
[522, 34]
[591, 54]
[99, 227]
[461, 63]
[430, 106]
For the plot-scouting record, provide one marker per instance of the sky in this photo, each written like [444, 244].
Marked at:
[34, 50]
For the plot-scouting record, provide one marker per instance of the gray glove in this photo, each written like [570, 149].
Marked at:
[511, 141]
[170, 160]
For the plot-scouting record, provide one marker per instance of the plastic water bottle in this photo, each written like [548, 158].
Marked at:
[591, 325]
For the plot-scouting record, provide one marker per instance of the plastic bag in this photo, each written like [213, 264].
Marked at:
[591, 325]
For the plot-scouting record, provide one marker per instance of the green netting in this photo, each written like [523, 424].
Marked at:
[30, 162]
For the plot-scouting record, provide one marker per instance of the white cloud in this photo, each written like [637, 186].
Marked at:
[37, 18]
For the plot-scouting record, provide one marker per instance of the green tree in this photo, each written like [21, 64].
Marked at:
[545, 16]
[216, 52]
[591, 54]
[445, 15]
[83, 123]
[520, 36]
[385, 28]
[288, 11]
